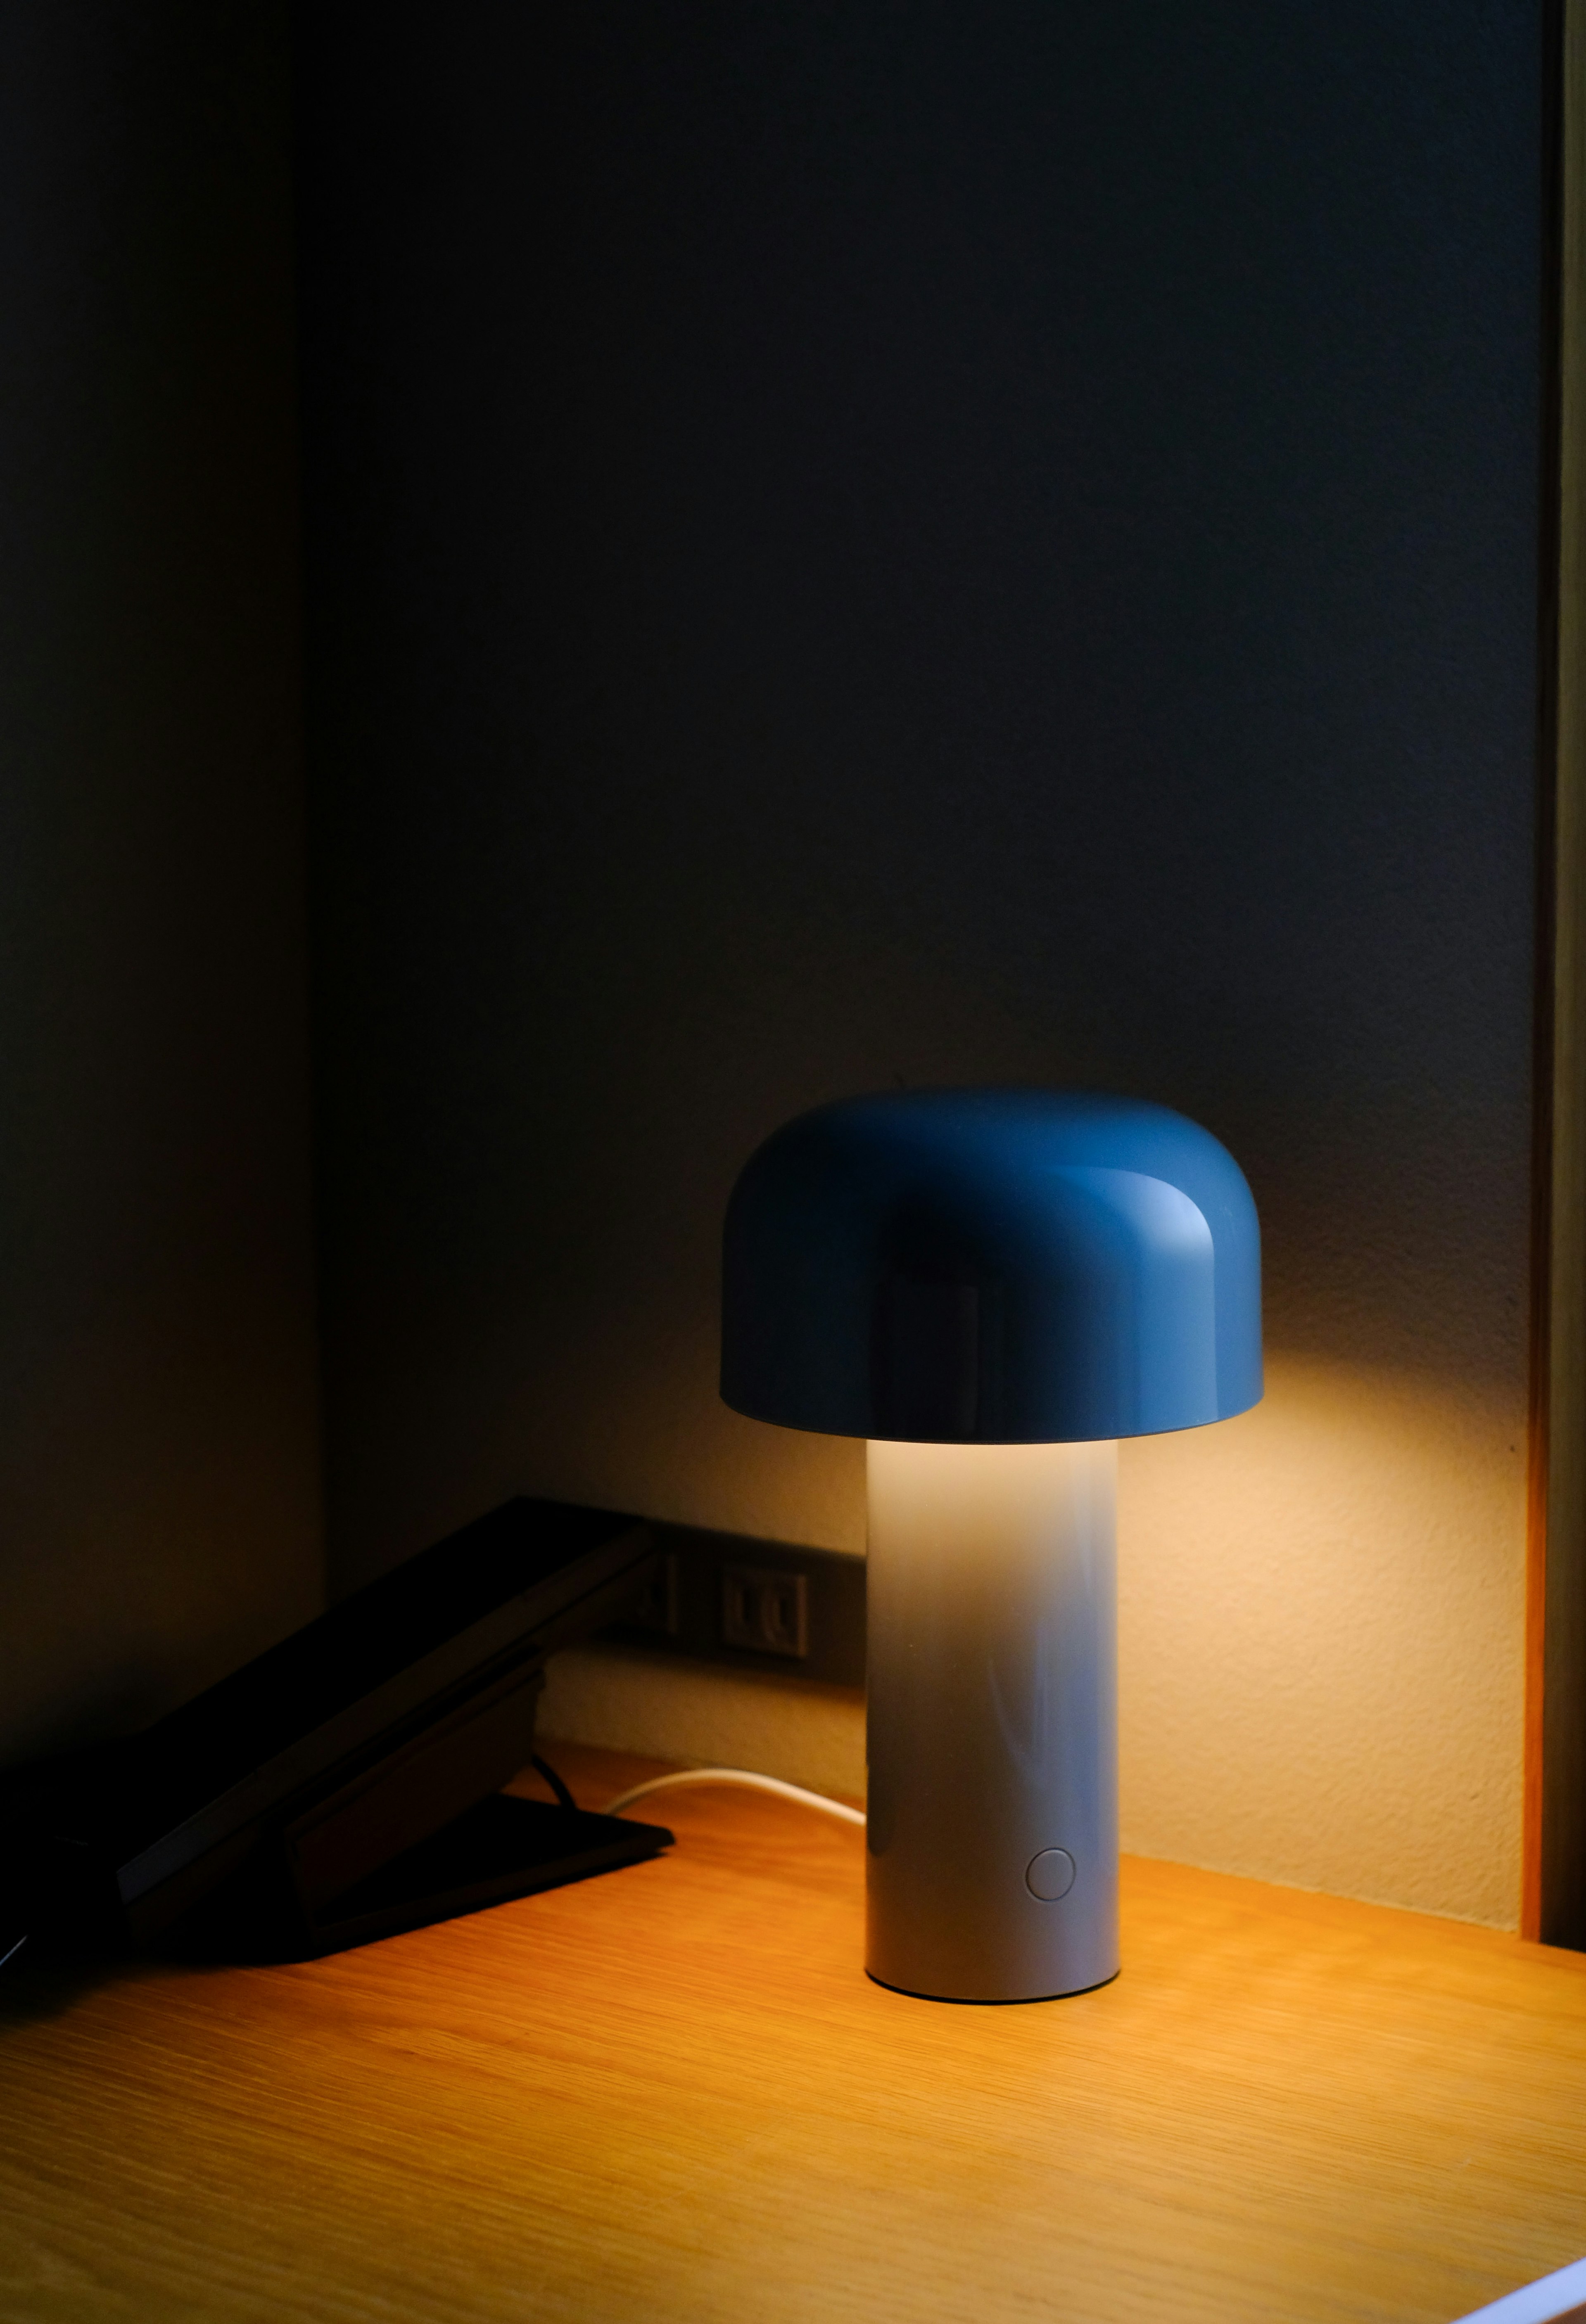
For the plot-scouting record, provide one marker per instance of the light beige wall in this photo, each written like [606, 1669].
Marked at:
[159, 1474]
[1321, 1640]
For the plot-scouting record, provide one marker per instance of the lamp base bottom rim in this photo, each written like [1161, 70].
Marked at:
[995, 2000]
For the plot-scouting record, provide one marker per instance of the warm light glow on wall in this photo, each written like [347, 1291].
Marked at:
[1321, 1623]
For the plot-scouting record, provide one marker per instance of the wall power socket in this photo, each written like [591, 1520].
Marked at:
[765, 1611]
[768, 1605]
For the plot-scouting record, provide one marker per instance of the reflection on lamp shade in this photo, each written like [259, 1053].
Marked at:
[1001, 1265]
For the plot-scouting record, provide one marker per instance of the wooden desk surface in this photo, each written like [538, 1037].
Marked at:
[670, 2094]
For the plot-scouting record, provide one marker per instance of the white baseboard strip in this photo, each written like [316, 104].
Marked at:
[1556, 2299]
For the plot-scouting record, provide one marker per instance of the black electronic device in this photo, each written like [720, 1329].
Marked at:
[343, 1784]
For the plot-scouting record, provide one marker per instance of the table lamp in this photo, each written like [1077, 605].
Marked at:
[991, 1287]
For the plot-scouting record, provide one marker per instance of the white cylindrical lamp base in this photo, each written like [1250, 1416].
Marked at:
[991, 1849]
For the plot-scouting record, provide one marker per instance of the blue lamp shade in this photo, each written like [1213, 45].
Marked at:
[991, 1267]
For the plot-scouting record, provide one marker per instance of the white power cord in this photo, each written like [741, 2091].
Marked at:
[737, 1776]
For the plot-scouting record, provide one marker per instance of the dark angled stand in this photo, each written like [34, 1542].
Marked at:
[348, 1783]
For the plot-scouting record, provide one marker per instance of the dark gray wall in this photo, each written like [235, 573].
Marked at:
[911, 543]
[159, 1490]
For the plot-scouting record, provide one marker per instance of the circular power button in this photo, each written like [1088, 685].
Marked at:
[1049, 1875]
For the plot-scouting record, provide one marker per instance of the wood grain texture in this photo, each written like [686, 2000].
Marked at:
[671, 2094]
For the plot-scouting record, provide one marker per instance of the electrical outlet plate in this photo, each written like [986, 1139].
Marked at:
[767, 1605]
[766, 1610]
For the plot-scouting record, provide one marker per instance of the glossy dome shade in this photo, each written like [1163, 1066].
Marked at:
[991, 1267]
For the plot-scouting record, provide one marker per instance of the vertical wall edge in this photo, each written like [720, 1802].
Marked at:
[1554, 1899]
